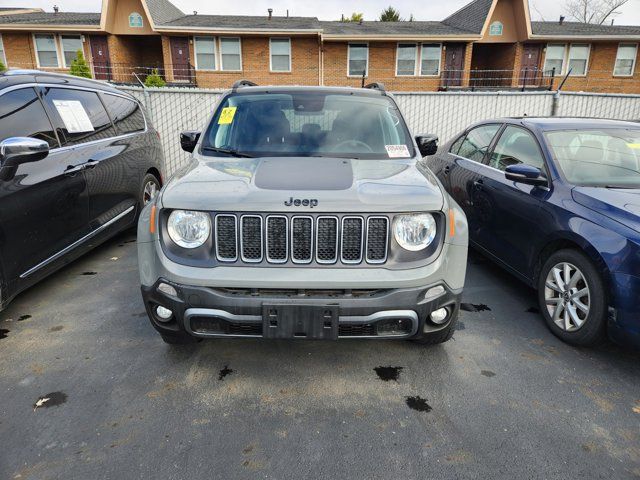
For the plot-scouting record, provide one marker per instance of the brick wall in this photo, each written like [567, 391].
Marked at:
[20, 51]
[600, 76]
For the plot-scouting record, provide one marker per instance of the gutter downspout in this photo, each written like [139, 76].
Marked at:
[321, 61]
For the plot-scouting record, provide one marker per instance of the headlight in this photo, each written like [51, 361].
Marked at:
[415, 231]
[189, 229]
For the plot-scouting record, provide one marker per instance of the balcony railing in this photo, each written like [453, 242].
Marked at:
[129, 73]
[524, 79]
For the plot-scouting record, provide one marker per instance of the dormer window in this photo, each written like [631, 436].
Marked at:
[135, 20]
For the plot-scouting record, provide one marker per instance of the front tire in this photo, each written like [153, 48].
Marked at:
[572, 298]
[149, 189]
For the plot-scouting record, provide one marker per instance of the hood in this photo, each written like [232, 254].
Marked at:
[302, 184]
[621, 205]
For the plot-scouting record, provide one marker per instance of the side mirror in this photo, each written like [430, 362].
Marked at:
[427, 144]
[526, 174]
[15, 151]
[189, 140]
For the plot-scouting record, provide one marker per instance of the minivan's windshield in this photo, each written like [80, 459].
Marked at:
[308, 124]
[608, 157]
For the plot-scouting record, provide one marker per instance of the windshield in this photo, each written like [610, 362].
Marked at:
[308, 124]
[603, 158]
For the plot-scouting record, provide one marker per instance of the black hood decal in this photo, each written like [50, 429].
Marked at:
[304, 173]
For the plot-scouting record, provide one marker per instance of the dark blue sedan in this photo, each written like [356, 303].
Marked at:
[556, 201]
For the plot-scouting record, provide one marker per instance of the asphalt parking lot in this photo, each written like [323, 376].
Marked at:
[504, 399]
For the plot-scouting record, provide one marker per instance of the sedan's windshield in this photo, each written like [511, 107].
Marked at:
[308, 124]
[600, 157]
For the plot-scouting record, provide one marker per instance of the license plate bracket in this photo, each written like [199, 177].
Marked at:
[281, 320]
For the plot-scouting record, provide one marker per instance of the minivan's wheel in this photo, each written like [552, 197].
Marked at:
[572, 298]
[150, 188]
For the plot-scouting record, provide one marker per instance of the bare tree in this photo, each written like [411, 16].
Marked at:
[593, 11]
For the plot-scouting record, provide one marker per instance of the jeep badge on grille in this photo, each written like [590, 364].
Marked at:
[305, 202]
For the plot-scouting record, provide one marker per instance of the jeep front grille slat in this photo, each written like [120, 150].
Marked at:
[327, 240]
[226, 238]
[301, 239]
[352, 233]
[277, 239]
[377, 228]
[251, 238]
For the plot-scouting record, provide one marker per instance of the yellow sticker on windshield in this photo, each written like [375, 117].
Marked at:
[634, 145]
[226, 116]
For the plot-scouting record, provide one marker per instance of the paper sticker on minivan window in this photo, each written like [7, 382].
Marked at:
[397, 151]
[633, 145]
[74, 116]
[226, 116]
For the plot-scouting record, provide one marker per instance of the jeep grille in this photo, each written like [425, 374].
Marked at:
[301, 239]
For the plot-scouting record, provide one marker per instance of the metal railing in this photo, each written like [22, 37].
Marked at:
[526, 78]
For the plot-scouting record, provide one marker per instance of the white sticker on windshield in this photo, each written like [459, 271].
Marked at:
[397, 151]
[74, 116]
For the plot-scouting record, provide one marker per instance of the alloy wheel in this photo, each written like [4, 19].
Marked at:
[149, 192]
[566, 295]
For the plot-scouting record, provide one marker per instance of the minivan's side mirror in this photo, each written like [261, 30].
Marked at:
[189, 140]
[15, 151]
[427, 144]
[526, 174]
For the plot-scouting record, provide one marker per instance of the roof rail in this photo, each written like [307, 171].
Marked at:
[242, 83]
[376, 86]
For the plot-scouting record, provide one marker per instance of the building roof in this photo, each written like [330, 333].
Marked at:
[241, 22]
[50, 18]
[391, 28]
[471, 17]
[163, 11]
[576, 29]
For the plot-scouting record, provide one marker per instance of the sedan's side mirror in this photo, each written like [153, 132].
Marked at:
[526, 174]
[427, 144]
[15, 151]
[189, 140]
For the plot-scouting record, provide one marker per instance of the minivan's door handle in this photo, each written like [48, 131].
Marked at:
[478, 184]
[73, 169]
[447, 169]
[90, 164]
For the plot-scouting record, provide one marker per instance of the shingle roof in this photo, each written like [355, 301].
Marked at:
[49, 18]
[581, 29]
[246, 22]
[391, 28]
[163, 11]
[471, 17]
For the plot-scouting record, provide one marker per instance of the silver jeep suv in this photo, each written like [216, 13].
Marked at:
[304, 212]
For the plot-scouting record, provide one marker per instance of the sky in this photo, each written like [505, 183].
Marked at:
[332, 9]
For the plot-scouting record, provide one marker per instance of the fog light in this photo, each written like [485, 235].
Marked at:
[168, 289]
[439, 316]
[164, 313]
[434, 292]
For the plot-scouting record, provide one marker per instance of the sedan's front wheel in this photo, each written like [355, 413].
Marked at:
[572, 298]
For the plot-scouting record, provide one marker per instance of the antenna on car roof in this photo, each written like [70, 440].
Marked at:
[242, 83]
[376, 86]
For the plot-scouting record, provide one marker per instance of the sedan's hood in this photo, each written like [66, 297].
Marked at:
[621, 205]
[273, 184]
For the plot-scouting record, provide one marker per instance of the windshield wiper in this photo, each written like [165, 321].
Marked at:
[233, 153]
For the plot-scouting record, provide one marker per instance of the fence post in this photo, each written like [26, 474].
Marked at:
[146, 96]
[555, 103]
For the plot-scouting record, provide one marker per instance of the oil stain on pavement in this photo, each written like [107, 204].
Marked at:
[418, 403]
[474, 307]
[388, 373]
[52, 399]
[487, 373]
[89, 273]
[532, 310]
[3, 333]
[24, 317]
[224, 372]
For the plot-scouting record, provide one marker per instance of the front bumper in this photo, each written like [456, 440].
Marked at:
[379, 313]
[624, 317]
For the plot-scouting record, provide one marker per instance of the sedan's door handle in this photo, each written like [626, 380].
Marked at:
[90, 164]
[478, 184]
[73, 169]
[447, 169]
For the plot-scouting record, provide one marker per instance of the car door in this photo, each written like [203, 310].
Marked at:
[460, 171]
[87, 131]
[44, 206]
[510, 211]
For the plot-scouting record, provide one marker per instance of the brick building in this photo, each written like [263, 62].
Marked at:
[488, 44]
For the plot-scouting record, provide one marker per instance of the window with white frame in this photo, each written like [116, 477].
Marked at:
[280, 50]
[230, 54]
[554, 58]
[431, 56]
[358, 59]
[578, 58]
[626, 59]
[205, 48]
[3, 58]
[135, 20]
[406, 59]
[46, 50]
[70, 46]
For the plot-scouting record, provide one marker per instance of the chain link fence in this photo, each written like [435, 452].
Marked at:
[173, 110]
